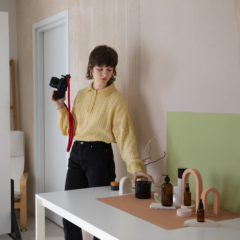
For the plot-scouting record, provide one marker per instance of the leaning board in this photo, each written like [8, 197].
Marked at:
[209, 142]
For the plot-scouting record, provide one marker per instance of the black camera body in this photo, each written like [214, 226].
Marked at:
[60, 84]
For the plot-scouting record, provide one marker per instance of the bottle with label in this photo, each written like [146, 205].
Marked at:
[167, 192]
[187, 196]
[200, 212]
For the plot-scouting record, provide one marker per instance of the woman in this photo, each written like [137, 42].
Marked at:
[100, 117]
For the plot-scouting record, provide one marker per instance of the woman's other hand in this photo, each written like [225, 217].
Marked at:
[59, 103]
[143, 175]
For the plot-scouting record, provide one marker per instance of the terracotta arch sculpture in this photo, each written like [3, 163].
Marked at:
[216, 200]
[199, 183]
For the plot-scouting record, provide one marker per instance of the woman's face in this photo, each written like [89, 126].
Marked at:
[102, 75]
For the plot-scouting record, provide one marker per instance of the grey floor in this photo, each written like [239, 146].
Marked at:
[53, 231]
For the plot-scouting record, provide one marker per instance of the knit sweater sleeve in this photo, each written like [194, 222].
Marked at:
[124, 134]
[62, 120]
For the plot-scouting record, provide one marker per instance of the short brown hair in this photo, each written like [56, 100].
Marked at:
[100, 56]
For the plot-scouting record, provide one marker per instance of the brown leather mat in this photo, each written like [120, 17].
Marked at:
[166, 219]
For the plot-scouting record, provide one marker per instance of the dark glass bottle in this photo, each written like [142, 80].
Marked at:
[200, 212]
[167, 192]
[187, 196]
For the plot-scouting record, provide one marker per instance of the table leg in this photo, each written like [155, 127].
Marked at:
[39, 219]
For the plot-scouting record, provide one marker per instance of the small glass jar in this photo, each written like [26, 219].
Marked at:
[158, 196]
[115, 186]
[143, 189]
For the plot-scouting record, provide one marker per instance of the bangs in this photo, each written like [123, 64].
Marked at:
[103, 56]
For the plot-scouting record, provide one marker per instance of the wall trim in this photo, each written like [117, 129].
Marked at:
[38, 29]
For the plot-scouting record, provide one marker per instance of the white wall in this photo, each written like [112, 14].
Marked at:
[10, 7]
[189, 53]
[5, 201]
[115, 23]
[189, 63]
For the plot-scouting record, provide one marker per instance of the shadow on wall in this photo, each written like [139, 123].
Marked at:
[133, 88]
[226, 190]
[237, 16]
[157, 77]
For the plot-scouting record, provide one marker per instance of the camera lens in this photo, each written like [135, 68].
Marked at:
[54, 82]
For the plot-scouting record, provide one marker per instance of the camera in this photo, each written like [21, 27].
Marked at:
[60, 84]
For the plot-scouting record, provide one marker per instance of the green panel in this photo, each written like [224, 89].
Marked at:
[209, 142]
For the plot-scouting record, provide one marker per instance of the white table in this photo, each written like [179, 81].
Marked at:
[109, 223]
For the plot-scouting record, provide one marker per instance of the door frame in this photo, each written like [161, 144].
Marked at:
[5, 161]
[38, 30]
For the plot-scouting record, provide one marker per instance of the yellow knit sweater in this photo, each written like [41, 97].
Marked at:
[103, 116]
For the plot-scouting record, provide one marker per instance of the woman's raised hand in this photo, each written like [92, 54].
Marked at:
[59, 103]
[142, 174]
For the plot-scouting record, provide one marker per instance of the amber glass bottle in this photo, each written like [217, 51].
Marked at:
[167, 192]
[200, 212]
[187, 196]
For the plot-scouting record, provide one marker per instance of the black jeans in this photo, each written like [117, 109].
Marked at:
[91, 164]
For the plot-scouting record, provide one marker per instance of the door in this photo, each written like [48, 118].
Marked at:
[55, 62]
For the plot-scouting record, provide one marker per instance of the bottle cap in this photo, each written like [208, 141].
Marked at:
[187, 187]
[180, 172]
[114, 183]
[200, 206]
[166, 179]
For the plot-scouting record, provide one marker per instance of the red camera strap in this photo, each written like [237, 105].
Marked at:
[70, 119]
